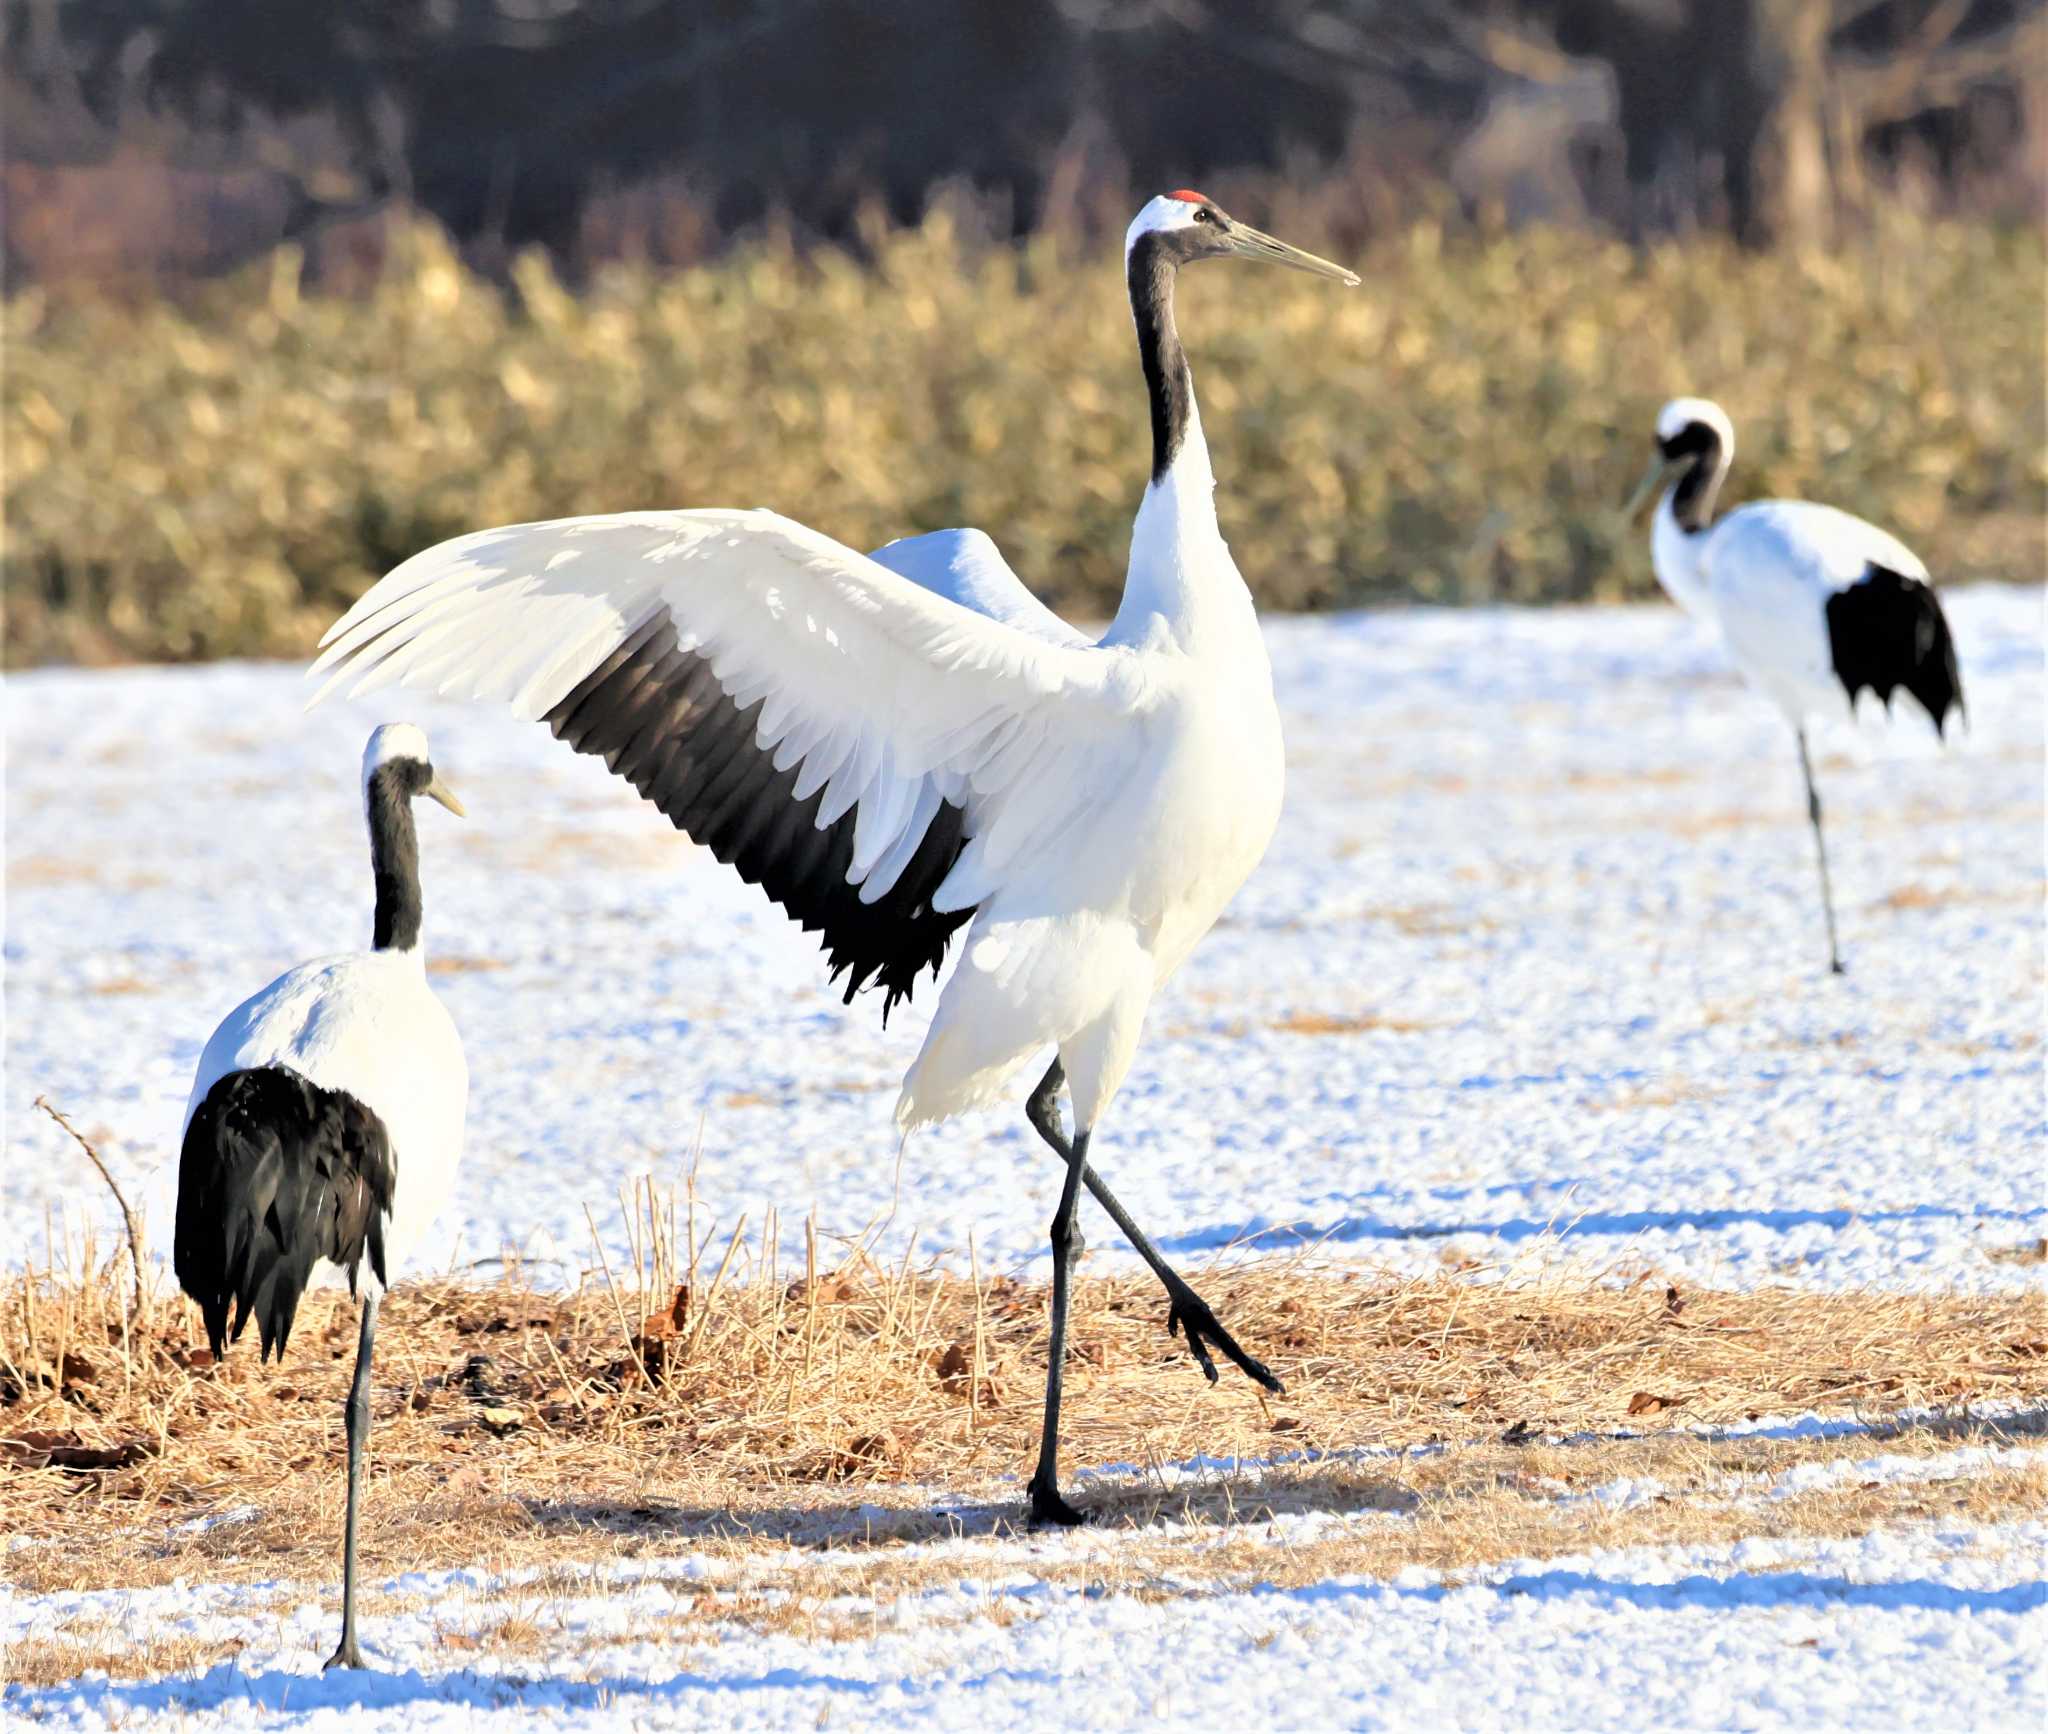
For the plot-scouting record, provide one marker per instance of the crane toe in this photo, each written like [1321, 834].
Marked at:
[1193, 1319]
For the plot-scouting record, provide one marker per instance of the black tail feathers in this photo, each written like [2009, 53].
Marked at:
[276, 1173]
[1887, 631]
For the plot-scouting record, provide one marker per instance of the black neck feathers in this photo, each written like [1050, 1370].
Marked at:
[1151, 269]
[395, 852]
[1698, 448]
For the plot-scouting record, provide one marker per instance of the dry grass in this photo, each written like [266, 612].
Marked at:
[1312, 1023]
[725, 1401]
[221, 476]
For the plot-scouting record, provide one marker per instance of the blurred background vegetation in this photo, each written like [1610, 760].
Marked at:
[293, 291]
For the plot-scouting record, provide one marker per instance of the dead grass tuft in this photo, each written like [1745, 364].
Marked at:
[1309, 1023]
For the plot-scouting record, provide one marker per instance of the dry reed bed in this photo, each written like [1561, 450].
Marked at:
[655, 1405]
[219, 476]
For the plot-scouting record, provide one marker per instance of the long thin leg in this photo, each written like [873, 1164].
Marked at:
[356, 1417]
[1046, 1504]
[1827, 894]
[1190, 1314]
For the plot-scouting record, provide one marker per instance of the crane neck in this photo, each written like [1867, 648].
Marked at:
[1170, 387]
[1181, 580]
[394, 855]
[1675, 554]
[1678, 535]
[1691, 498]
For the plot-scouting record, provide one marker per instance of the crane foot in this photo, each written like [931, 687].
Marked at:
[1050, 1510]
[1192, 1318]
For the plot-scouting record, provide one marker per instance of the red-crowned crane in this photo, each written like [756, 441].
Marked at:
[897, 746]
[325, 1123]
[1813, 604]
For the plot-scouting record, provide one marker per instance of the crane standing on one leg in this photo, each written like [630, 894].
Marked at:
[1814, 605]
[325, 1123]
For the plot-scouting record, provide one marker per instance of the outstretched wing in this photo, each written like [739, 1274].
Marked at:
[877, 757]
[966, 567]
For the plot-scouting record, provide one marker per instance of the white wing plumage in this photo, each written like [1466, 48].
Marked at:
[1770, 569]
[965, 566]
[883, 696]
[1821, 546]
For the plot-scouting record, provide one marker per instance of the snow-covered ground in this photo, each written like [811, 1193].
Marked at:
[1901, 1628]
[1537, 948]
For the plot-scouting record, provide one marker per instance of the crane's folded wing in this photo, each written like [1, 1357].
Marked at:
[966, 567]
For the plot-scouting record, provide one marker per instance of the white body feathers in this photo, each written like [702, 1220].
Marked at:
[367, 1024]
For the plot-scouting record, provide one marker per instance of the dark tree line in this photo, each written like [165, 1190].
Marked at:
[523, 121]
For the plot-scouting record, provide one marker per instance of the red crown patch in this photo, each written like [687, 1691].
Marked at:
[1188, 196]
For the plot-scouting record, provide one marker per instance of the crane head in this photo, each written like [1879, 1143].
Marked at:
[1690, 431]
[398, 751]
[1189, 225]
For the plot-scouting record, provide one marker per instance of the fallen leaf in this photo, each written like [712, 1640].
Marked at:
[31, 1448]
[871, 1451]
[478, 1379]
[829, 1290]
[84, 1459]
[954, 1367]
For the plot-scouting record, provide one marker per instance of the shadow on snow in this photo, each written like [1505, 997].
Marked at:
[1564, 1226]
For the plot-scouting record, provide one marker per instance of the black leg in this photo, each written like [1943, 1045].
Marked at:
[1827, 895]
[1190, 1314]
[356, 1415]
[1046, 1504]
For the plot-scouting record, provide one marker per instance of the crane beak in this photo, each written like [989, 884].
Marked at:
[436, 790]
[1649, 487]
[1249, 243]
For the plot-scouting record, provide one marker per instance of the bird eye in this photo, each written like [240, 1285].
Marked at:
[1203, 215]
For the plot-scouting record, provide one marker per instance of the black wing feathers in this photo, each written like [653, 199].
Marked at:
[275, 1174]
[657, 716]
[1887, 631]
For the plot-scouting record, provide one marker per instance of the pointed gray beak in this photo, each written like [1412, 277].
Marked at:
[1649, 487]
[436, 790]
[1249, 243]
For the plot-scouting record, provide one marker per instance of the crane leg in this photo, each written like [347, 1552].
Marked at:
[1827, 895]
[1190, 1314]
[356, 1417]
[1046, 1504]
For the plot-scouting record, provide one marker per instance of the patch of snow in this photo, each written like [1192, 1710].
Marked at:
[1890, 1630]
